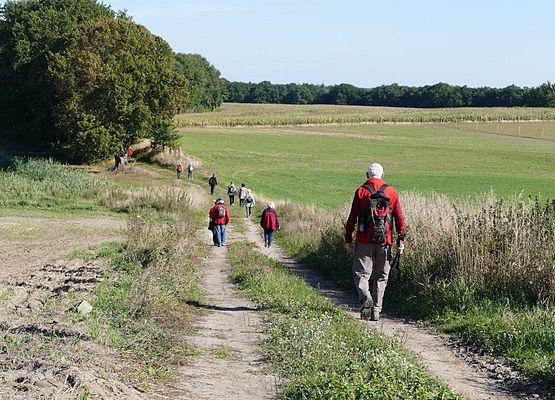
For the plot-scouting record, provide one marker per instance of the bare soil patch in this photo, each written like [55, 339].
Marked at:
[27, 243]
[46, 351]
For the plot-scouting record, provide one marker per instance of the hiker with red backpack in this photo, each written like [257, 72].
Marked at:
[219, 218]
[374, 211]
[269, 222]
[179, 170]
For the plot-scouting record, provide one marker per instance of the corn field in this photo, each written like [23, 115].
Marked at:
[231, 114]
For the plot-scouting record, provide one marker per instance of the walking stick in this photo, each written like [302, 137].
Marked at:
[396, 264]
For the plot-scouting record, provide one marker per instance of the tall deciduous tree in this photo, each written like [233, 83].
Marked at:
[114, 82]
[206, 88]
[29, 31]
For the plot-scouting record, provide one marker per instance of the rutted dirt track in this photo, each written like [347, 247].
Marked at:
[431, 348]
[230, 364]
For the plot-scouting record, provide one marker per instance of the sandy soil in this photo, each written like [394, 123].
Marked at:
[29, 242]
[45, 348]
[230, 364]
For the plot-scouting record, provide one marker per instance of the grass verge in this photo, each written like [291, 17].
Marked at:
[141, 305]
[324, 353]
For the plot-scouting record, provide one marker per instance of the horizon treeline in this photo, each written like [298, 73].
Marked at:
[439, 95]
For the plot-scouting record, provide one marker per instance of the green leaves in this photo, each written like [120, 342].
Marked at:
[206, 88]
[83, 81]
[114, 83]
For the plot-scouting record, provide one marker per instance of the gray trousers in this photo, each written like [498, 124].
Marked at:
[370, 270]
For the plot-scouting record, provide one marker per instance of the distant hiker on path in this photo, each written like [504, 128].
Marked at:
[374, 205]
[179, 170]
[242, 195]
[269, 222]
[249, 203]
[212, 181]
[219, 218]
[231, 189]
[190, 169]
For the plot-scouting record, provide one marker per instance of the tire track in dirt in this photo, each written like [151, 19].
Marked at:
[231, 364]
[439, 360]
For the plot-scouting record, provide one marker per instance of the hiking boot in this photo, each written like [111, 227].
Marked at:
[375, 314]
[366, 309]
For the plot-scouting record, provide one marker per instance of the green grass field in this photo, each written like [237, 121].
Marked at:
[323, 165]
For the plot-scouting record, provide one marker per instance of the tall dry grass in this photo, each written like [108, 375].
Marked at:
[162, 198]
[145, 301]
[489, 248]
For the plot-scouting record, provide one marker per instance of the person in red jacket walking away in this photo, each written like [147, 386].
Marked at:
[374, 210]
[219, 218]
[269, 222]
[179, 170]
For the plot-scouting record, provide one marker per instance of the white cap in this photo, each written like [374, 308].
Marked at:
[375, 170]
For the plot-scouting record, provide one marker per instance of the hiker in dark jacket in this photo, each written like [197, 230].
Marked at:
[269, 222]
[373, 238]
[212, 181]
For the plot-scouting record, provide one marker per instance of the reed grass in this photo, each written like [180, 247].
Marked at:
[28, 182]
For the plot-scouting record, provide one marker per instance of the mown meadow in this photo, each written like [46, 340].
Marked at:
[322, 165]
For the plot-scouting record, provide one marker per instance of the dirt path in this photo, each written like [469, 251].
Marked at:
[230, 365]
[431, 349]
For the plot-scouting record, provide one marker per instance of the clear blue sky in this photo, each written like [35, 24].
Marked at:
[366, 43]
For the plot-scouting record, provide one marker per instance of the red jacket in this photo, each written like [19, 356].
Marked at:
[360, 201]
[269, 220]
[217, 220]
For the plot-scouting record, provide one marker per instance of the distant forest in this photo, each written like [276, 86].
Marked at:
[431, 96]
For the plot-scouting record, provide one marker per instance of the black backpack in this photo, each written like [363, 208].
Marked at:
[376, 217]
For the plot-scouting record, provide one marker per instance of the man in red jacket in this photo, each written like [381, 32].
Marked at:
[375, 205]
[219, 218]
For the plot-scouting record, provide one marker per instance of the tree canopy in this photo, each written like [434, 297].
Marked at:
[114, 83]
[394, 95]
[206, 88]
[81, 79]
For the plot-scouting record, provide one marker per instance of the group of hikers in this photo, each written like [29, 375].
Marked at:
[375, 211]
[219, 217]
[246, 197]
[179, 170]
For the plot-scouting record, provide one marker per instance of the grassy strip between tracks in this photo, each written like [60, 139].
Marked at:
[323, 352]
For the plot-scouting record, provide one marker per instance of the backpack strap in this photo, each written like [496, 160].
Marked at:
[383, 187]
[370, 188]
[374, 191]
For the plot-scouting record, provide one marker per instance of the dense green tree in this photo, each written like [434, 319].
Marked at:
[114, 82]
[206, 88]
[29, 31]
[394, 95]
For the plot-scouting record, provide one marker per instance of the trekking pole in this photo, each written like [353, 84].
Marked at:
[396, 264]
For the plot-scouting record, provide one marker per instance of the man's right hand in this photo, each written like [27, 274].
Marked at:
[349, 247]
[400, 246]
